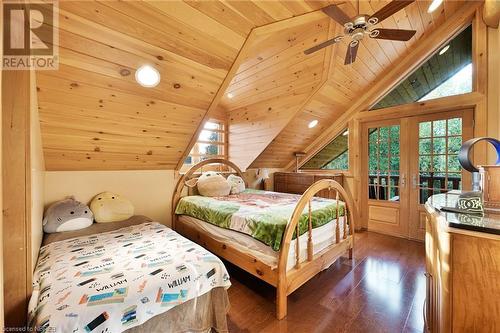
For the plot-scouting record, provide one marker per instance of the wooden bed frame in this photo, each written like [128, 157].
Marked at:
[285, 281]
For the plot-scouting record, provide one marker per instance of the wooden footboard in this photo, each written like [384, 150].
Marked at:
[285, 280]
[290, 280]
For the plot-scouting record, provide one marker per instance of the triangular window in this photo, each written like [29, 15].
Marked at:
[334, 156]
[448, 72]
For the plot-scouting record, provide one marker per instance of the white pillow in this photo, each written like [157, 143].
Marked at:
[211, 184]
[237, 184]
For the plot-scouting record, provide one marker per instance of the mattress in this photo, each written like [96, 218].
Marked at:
[322, 237]
[262, 215]
[119, 280]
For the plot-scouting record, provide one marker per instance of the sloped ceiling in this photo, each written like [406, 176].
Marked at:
[94, 116]
[347, 83]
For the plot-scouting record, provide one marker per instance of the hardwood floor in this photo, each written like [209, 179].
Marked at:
[381, 290]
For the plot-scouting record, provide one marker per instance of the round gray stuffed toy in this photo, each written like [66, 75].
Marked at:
[67, 215]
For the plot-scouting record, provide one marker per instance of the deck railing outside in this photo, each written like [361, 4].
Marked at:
[429, 185]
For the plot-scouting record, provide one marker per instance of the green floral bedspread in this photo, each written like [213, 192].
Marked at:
[260, 214]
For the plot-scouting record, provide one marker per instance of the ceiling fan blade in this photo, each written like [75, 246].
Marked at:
[390, 8]
[322, 45]
[394, 34]
[337, 14]
[351, 53]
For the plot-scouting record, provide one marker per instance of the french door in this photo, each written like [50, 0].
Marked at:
[434, 167]
[406, 160]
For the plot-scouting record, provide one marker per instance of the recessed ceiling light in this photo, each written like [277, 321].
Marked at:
[147, 76]
[345, 133]
[230, 95]
[313, 123]
[444, 49]
[434, 5]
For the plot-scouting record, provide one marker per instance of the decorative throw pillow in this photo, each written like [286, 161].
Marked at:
[211, 184]
[237, 184]
[67, 215]
[110, 207]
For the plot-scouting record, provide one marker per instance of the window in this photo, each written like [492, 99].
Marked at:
[448, 72]
[334, 156]
[383, 163]
[211, 143]
[439, 168]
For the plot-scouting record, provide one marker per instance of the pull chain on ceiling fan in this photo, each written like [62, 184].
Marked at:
[361, 25]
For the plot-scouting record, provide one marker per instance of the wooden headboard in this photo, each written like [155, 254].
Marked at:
[198, 169]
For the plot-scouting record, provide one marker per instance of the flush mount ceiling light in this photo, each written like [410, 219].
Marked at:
[313, 123]
[147, 76]
[230, 95]
[434, 5]
[444, 49]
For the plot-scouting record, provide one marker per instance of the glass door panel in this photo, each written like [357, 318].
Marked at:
[433, 153]
[438, 168]
[383, 163]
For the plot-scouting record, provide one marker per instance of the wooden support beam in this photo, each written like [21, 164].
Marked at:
[16, 175]
[392, 76]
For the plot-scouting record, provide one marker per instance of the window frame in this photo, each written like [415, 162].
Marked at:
[346, 172]
[221, 144]
[467, 24]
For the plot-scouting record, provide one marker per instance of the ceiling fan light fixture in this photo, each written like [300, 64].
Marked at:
[444, 49]
[313, 123]
[434, 5]
[147, 76]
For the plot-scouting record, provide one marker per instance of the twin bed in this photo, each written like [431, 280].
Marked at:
[139, 275]
[254, 230]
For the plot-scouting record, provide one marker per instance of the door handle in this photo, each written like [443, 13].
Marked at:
[403, 180]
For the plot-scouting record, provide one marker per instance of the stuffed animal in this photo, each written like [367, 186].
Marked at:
[237, 184]
[211, 184]
[110, 207]
[67, 215]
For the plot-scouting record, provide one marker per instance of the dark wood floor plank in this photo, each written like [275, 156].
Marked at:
[381, 290]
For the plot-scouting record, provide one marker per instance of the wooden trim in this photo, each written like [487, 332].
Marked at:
[480, 83]
[285, 281]
[393, 75]
[220, 92]
[438, 105]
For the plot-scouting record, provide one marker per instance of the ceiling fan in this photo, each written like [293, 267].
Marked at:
[361, 25]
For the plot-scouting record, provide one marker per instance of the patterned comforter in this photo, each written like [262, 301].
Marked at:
[113, 281]
[260, 214]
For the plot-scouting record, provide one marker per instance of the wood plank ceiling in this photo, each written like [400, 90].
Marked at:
[94, 116]
[347, 83]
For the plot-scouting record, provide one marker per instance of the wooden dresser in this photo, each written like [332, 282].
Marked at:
[462, 269]
[298, 182]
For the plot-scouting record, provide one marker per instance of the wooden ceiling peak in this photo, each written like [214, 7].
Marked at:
[93, 114]
[347, 85]
[204, 50]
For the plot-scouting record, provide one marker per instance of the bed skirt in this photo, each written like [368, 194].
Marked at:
[203, 314]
